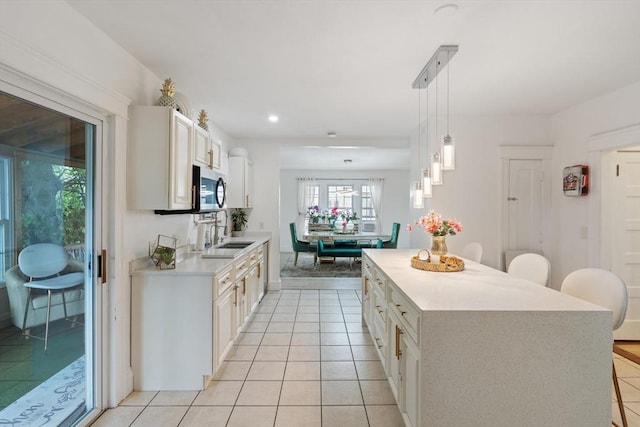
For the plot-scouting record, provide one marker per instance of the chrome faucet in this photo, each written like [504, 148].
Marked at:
[216, 235]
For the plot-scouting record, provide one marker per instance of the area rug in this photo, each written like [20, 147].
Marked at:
[53, 402]
[305, 268]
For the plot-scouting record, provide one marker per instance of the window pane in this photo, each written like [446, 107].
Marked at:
[368, 213]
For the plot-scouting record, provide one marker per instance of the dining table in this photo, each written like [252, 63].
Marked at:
[363, 238]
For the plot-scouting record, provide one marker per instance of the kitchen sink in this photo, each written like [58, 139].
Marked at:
[235, 245]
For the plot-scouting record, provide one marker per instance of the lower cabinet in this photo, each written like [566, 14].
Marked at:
[392, 324]
[225, 325]
[183, 325]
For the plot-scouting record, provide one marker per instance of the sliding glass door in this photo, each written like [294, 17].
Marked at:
[49, 340]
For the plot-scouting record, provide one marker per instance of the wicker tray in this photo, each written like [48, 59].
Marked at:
[447, 264]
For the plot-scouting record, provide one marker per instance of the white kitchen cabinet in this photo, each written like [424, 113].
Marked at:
[159, 159]
[216, 155]
[240, 186]
[224, 319]
[203, 152]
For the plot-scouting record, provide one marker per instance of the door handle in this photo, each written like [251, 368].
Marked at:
[512, 199]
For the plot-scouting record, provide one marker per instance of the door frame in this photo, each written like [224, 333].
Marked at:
[109, 357]
[600, 154]
[524, 152]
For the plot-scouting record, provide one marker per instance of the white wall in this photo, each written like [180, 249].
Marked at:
[571, 131]
[470, 193]
[395, 199]
[51, 43]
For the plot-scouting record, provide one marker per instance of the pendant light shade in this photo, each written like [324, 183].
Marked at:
[418, 202]
[436, 169]
[448, 153]
[426, 184]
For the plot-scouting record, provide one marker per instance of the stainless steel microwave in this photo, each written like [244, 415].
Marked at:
[209, 192]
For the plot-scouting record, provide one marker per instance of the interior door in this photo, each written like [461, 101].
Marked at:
[625, 253]
[524, 205]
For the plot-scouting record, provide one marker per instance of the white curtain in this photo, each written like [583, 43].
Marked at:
[376, 184]
[304, 193]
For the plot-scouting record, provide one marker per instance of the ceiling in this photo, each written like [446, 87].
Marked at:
[347, 66]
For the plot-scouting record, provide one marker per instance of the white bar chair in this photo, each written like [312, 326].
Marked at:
[530, 266]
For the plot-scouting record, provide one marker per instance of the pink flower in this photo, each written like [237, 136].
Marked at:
[409, 228]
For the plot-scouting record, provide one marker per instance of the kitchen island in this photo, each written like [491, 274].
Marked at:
[481, 348]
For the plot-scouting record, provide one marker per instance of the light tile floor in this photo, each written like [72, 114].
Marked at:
[304, 360]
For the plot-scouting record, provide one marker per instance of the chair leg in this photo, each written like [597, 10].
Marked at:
[616, 386]
[295, 259]
[46, 327]
[26, 309]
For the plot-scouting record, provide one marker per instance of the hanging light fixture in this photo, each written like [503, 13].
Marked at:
[426, 183]
[418, 195]
[448, 142]
[436, 169]
[428, 73]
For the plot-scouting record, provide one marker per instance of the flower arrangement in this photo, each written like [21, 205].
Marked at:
[433, 224]
[330, 215]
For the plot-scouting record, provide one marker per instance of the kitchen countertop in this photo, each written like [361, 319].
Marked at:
[476, 288]
[194, 264]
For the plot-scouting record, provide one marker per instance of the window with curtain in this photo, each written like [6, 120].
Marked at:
[340, 196]
[368, 213]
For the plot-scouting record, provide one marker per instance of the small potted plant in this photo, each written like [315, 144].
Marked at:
[239, 220]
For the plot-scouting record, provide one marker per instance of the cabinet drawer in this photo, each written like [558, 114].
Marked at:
[222, 281]
[379, 281]
[367, 266]
[379, 335]
[255, 256]
[242, 265]
[408, 314]
[379, 308]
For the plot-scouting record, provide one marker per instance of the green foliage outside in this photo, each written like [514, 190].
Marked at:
[53, 203]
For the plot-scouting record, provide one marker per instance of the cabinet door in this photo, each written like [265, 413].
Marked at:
[242, 302]
[180, 178]
[410, 374]
[366, 298]
[394, 354]
[216, 155]
[224, 324]
[203, 154]
[248, 184]
[253, 287]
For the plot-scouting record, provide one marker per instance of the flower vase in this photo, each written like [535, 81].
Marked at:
[438, 245]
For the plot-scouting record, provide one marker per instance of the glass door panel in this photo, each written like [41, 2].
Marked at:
[47, 191]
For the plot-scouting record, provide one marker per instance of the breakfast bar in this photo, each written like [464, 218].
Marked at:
[479, 347]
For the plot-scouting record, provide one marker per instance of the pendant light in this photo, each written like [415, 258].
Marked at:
[448, 142]
[426, 184]
[418, 202]
[436, 166]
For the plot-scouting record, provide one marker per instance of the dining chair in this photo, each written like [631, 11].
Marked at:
[300, 246]
[43, 263]
[530, 266]
[393, 242]
[472, 251]
[606, 289]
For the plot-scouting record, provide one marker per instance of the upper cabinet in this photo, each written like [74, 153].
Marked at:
[202, 153]
[207, 151]
[159, 159]
[240, 186]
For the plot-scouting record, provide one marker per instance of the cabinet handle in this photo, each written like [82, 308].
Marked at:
[402, 313]
[398, 351]
[379, 345]
[235, 295]
[193, 197]
[247, 204]
[210, 159]
[259, 271]
[244, 286]
[366, 286]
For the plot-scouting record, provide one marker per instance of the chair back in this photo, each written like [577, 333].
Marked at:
[533, 267]
[42, 260]
[395, 232]
[296, 244]
[472, 251]
[600, 287]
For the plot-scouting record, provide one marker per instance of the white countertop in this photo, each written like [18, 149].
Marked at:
[194, 264]
[476, 288]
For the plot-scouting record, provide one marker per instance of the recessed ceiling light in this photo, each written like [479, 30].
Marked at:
[332, 134]
[273, 118]
[446, 10]
[347, 161]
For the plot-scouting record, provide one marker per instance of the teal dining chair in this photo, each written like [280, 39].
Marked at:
[300, 246]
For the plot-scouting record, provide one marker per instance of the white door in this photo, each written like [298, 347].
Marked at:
[625, 253]
[524, 206]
